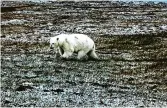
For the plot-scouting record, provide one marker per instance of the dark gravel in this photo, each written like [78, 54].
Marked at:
[132, 70]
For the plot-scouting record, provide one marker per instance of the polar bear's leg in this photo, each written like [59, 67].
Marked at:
[67, 49]
[81, 54]
[67, 54]
[92, 54]
[61, 51]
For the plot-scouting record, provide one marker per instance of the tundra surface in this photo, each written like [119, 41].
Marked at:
[131, 42]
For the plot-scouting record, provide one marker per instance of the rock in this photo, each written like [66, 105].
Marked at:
[14, 22]
[7, 101]
[163, 27]
[58, 90]
[23, 88]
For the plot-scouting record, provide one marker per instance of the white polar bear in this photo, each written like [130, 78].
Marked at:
[67, 44]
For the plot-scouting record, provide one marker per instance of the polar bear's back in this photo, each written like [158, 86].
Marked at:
[76, 37]
[81, 38]
[78, 41]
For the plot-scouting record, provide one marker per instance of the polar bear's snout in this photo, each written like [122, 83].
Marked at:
[52, 46]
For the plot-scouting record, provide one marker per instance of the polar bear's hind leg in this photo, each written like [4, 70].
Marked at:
[81, 54]
[92, 54]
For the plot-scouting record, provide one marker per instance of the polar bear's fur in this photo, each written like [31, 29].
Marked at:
[67, 44]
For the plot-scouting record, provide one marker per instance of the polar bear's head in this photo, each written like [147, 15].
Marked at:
[54, 42]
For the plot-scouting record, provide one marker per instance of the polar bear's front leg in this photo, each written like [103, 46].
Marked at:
[68, 50]
[61, 51]
[67, 55]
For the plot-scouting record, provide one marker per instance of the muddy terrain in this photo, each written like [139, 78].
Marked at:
[131, 42]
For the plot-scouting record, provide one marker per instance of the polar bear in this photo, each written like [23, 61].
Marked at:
[67, 44]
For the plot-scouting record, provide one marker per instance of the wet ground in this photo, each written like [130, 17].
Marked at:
[131, 43]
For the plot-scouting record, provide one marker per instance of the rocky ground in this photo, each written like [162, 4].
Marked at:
[131, 41]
